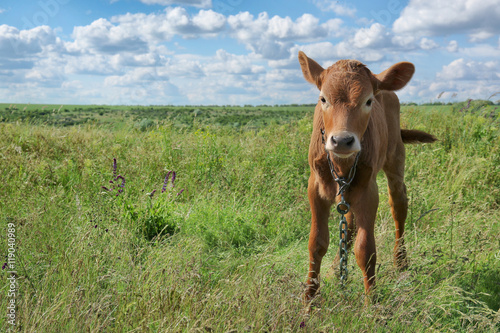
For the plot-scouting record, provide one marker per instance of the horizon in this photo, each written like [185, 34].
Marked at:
[409, 103]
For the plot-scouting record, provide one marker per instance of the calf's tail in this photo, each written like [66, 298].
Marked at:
[416, 136]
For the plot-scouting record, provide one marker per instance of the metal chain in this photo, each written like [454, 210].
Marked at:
[343, 208]
[343, 182]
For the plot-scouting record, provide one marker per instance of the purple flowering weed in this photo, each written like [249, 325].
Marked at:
[173, 178]
[466, 107]
[123, 181]
[115, 179]
[114, 167]
[165, 183]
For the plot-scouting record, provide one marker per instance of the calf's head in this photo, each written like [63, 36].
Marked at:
[347, 97]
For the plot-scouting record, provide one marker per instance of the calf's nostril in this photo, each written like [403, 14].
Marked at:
[349, 141]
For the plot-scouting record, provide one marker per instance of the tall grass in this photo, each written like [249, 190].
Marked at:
[230, 252]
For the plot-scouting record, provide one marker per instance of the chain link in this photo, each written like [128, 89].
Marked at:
[343, 240]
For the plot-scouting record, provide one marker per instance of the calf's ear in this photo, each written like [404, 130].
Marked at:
[311, 69]
[395, 77]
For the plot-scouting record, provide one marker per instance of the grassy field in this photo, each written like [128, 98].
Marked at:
[145, 117]
[223, 247]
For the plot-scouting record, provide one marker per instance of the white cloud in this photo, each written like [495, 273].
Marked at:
[172, 21]
[135, 76]
[28, 56]
[137, 33]
[15, 43]
[137, 60]
[428, 44]
[371, 44]
[319, 51]
[326, 53]
[405, 42]
[145, 92]
[47, 71]
[194, 3]
[480, 36]
[273, 38]
[344, 49]
[101, 36]
[452, 46]
[443, 17]
[304, 28]
[225, 62]
[73, 85]
[458, 90]
[209, 21]
[461, 69]
[180, 67]
[481, 51]
[336, 7]
[375, 36]
[91, 64]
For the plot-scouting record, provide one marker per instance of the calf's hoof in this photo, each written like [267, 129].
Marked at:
[400, 260]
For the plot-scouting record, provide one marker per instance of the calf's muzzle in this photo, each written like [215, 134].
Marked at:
[343, 144]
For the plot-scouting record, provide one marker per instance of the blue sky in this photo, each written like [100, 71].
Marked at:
[238, 51]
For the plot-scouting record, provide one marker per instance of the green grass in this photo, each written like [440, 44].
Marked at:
[230, 252]
[145, 117]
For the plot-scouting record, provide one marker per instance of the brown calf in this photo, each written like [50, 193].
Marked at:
[359, 113]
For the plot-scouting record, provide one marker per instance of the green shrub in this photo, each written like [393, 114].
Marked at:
[145, 125]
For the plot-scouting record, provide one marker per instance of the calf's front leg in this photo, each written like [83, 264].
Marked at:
[365, 211]
[319, 238]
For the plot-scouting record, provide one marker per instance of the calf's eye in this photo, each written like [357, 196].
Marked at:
[369, 102]
[322, 99]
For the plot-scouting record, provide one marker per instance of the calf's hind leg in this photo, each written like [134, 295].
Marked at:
[399, 206]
